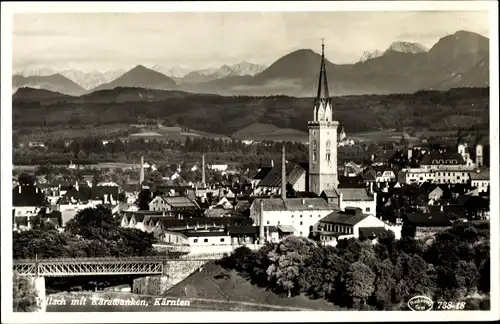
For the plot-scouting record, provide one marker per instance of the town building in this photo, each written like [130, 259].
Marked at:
[480, 179]
[345, 224]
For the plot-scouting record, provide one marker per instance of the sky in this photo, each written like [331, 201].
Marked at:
[195, 40]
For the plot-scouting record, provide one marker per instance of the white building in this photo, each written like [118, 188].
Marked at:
[351, 223]
[480, 179]
[438, 167]
[358, 198]
[299, 215]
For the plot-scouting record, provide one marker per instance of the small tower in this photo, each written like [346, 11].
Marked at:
[141, 173]
[322, 137]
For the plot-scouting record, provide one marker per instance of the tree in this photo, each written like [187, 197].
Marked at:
[94, 223]
[290, 191]
[359, 283]
[24, 294]
[26, 179]
[144, 199]
[287, 262]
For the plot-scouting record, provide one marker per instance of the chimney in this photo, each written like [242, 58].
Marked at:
[203, 169]
[261, 222]
[141, 173]
[283, 172]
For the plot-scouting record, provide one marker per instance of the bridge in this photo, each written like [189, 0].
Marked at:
[69, 267]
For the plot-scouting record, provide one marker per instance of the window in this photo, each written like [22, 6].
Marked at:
[222, 239]
[367, 209]
[300, 233]
[195, 240]
[300, 216]
[267, 222]
[278, 222]
[311, 216]
[328, 157]
[300, 223]
[314, 156]
[205, 240]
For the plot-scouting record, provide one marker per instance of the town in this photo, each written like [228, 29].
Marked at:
[417, 188]
[341, 196]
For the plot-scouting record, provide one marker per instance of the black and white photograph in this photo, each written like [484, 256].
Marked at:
[306, 158]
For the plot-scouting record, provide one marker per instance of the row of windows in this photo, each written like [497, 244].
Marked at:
[339, 228]
[206, 240]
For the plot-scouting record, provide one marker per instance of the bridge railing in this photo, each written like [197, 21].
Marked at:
[115, 259]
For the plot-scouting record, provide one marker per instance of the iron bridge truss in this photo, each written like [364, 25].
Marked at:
[69, 267]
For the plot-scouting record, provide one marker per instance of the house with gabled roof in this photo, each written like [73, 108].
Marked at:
[271, 183]
[345, 224]
[297, 216]
[27, 203]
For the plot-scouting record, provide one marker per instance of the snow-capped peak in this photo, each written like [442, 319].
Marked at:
[407, 47]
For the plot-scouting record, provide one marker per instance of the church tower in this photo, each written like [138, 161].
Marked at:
[322, 138]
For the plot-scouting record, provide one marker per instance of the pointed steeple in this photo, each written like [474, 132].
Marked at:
[323, 81]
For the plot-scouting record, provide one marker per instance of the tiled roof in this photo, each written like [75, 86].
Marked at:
[169, 222]
[273, 178]
[286, 228]
[330, 193]
[72, 193]
[482, 175]
[435, 219]
[344, 218]
[351, 182]
[204, 234]
[355, 194]
[29, 196]
[445, 158]
[180, 202]
[217, 212]
[262, 173]
[371, 232]
[294, 204]
[241, 230]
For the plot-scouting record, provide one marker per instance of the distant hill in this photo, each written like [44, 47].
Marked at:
[141, 77]
[43, 96]
[121, 94]
[55, 83]
[273, 117]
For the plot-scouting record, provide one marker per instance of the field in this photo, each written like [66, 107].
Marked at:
[206, 292]
[208, 285]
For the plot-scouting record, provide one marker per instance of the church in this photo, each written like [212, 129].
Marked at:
[299, 216]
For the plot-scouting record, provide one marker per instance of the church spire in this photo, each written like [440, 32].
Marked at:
[323, 82]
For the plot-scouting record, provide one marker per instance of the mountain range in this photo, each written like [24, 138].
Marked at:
[457, 60]
[403, 47]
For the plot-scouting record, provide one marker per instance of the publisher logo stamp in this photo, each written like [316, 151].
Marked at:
[420, 303]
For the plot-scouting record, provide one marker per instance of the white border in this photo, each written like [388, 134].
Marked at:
[7, 9]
